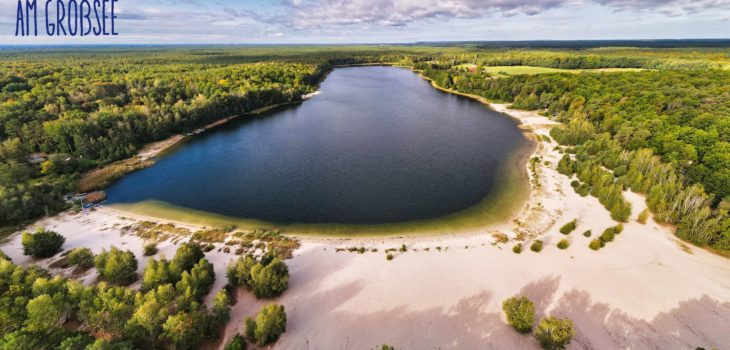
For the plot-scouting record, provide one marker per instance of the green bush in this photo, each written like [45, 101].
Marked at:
[389, 256]
[587, 233]
[643, 216]
[569, 227]
[536, 246]
[150, 249]
[608, 235]
[268, 277]
[116, 266]
[563, 244]
[236, 343]
[618, 228]
[186, 256]
[81, 257]
[595, 244]
[42, 243]
[517, 248]
[520, 313]
[269, 325]
[554, 333]
[270, 280]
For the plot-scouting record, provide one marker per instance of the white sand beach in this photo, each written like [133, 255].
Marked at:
[644, 290]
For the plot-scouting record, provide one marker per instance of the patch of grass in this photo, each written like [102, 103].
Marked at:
[100, 178]
[500, 238]
[517, 249]
[587, 233]
[213, 235]
[504, 71]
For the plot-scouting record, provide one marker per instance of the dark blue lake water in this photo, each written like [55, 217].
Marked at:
[377, 145]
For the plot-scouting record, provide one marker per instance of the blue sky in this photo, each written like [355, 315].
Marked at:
[393, 21]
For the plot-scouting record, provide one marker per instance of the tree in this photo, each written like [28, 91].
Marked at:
[157, 273]
[117, 266]
[236, 343]
[107, 310]
[520, 313]
[44, 314]
[77, 342]
[554, 333]
[42, 243]
[187, 255]
[269, 325]
[267, 278]
[270, 280]
[81, 257]
[150, 316]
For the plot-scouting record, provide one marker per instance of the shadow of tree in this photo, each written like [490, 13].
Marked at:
[472, 323]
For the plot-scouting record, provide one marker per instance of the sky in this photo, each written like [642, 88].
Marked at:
[388, 21]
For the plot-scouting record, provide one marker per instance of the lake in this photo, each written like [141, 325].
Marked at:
[377, 145]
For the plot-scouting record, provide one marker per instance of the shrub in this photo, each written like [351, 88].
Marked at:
[536, 246]
[236, 343]
[186, 256]
[608, 235]
[385, 347]
[554, 333]
[643, 216]
[270, 280]
[268, 277]
[42, 243]
[517, 248]
[389, 256]
[588, 233]
[116, 266]
[520, 313]
[269, 325]
[403, 248]
[595, 244]
[618, 228]
[81, 257]
[563, 244]
[249, 329]
[568, 228]
[150, 249]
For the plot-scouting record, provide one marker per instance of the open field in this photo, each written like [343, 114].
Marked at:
[518, 70]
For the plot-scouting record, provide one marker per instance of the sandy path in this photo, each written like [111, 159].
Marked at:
[642, 291]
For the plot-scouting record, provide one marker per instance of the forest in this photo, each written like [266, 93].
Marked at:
[663, 131]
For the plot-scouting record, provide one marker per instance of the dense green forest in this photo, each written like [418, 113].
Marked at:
[664, 131]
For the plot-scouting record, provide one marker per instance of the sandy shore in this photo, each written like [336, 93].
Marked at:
[645, 290]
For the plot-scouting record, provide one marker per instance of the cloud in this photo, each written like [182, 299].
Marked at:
[395, 13]
[308, 14]
[668, 7]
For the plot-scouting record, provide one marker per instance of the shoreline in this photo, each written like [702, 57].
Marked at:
[445, 291]
[490, 212]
